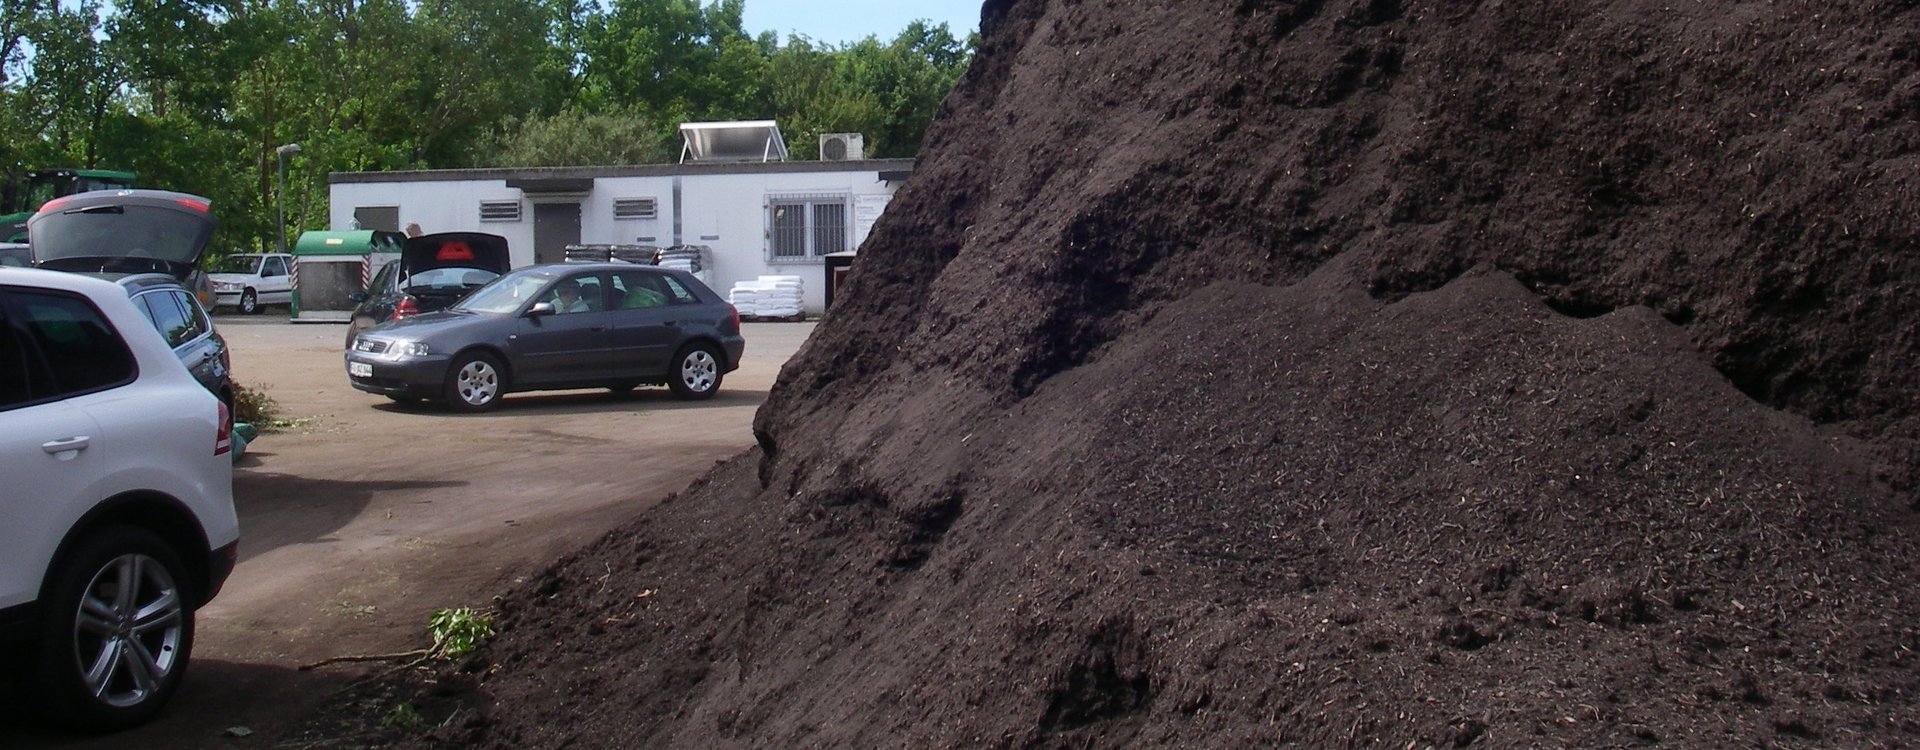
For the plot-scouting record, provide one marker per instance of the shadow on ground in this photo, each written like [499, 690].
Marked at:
[584, 402]
[221, 704]
[277, 510]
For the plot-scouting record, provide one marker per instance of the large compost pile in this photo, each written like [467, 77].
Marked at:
[1334, 372]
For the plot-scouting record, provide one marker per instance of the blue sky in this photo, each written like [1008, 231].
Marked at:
[842, 21]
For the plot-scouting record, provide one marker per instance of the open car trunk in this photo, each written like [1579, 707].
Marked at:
[440, 269]
[122, 232]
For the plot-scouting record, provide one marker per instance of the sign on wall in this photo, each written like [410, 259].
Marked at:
[866, 211]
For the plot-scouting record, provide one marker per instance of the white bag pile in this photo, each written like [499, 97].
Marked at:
[768, 297]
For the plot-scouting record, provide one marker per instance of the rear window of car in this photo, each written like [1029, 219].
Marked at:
[79, 347]
[680, 294]
[450, 277]
[174, 316]
[120, 231]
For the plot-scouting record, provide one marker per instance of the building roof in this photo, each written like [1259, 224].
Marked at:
[642, 170]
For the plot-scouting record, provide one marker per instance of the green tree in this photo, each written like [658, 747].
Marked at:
[809, 92]
[909, 78]
[575, 137]
[70, 88]
[675, 57]
[477, 59]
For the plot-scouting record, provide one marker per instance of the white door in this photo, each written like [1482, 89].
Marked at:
[276, 286]
[46, 458]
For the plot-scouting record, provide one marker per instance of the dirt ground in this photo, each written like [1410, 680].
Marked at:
[363, 517]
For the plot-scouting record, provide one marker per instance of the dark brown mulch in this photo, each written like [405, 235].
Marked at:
[1338, 373]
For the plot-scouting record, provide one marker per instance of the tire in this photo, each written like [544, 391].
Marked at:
[475, 383]
[109, 661]
[249, 303]
[696, 373]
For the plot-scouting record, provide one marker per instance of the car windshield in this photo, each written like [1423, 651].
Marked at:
[505, 294]
[450, 278]
[238, 264]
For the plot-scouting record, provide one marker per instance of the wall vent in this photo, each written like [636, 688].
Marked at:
[636, 208]
[499, 210]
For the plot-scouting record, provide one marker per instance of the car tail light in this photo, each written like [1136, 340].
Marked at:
[405, 307]
[736, 316]
[223, 440]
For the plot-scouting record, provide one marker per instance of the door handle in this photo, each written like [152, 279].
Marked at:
[597, 329]
[77, 443]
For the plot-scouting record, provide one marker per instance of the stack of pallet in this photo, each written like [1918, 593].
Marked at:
[769, 298]
[694, 259]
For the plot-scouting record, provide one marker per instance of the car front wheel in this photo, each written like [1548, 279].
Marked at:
[249, 302]
[116, 632]
[696, 373]
[475, 383]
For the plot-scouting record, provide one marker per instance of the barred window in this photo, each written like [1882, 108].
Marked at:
[499, 210]
[636, 208]
[800, 227]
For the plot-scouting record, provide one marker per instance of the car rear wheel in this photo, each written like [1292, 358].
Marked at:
[249, 303]
[696, 372]
[116, 632]
[475, 383]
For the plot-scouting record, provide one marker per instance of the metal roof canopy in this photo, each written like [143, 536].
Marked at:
[753, 140]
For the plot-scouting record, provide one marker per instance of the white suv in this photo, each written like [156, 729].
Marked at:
[117, 519]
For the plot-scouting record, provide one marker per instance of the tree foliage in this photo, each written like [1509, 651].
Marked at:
[197, 95]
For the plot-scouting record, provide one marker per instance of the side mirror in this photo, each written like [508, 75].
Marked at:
[539, 309]
[357, 297]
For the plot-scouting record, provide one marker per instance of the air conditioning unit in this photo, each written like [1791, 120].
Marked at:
[842, 147]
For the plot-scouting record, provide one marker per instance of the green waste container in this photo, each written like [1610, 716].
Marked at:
[328, 267]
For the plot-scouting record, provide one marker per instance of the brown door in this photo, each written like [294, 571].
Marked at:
[555, 226]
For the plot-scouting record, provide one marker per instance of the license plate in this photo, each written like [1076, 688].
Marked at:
[359, 369]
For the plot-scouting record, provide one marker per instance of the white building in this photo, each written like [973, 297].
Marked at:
[733, 192]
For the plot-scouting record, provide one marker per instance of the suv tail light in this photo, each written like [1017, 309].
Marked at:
[405, 307]
[223, 440]
[736, 317]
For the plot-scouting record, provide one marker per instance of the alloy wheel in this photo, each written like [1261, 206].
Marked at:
[699, 370]
[477, 383]
[128, 630]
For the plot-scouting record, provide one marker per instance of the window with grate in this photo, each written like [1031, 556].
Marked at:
[636, 208]
[802, 227]
[499, 210]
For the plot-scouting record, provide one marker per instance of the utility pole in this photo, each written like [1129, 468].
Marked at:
[280, 189]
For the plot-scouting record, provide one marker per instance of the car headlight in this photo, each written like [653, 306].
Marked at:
[225, 286]
[404, 349]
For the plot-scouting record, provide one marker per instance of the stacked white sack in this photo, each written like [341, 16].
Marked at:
[779, 296]
[745, 297]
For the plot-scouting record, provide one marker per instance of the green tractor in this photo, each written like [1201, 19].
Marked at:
[21, 196]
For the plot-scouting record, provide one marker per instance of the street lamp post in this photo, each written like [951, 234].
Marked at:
[280, 188]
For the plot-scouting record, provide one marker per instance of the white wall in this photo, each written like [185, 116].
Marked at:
[725, 211]
[440, 206]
